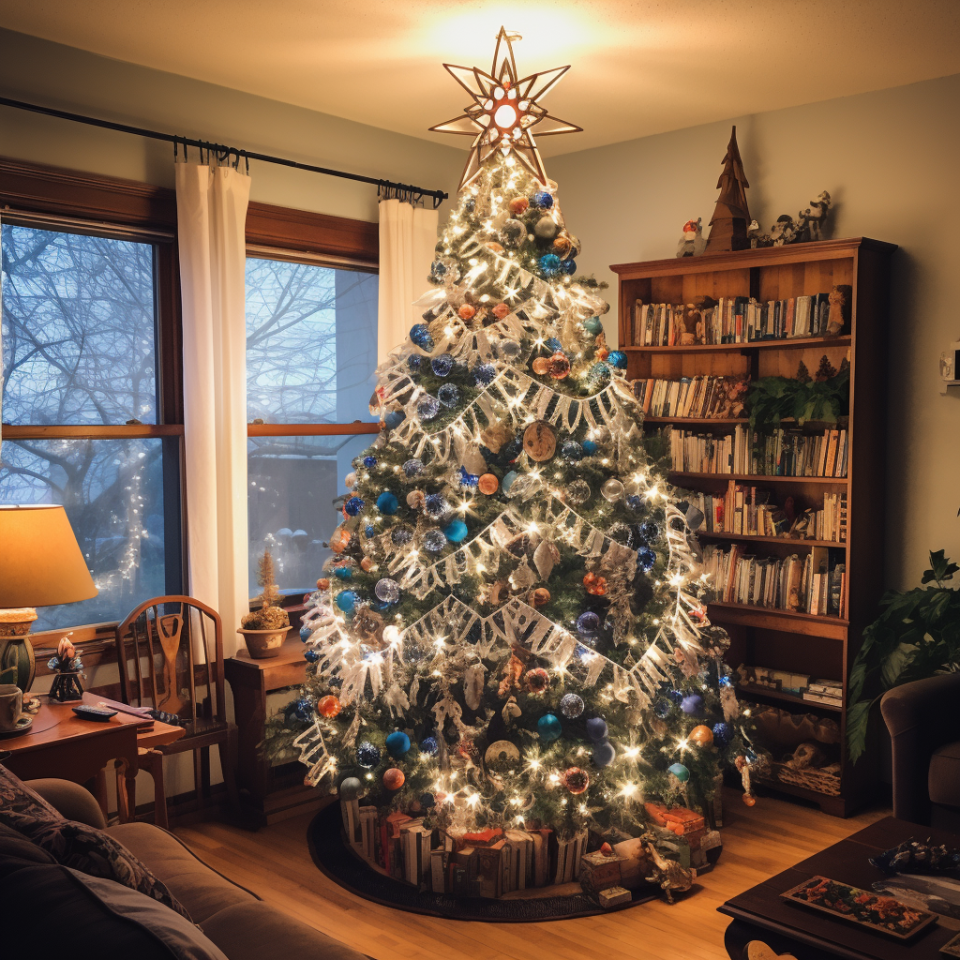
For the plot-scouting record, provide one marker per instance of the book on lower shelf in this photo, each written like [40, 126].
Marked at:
[698, 398]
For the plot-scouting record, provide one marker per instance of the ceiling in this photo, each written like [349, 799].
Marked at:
[640, 67]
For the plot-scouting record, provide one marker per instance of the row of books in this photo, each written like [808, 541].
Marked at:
[749, 511]
[782, 453]
[728, 320]
[802, 585]
[799, 685]
[700, 397]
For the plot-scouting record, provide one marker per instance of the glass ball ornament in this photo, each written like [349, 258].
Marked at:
[549, 728]
[722, 734]
[428, 406]
[620, 532]
[329, 706]
[401, 535]
[634, 503]
[350, 789]
[438, 270]
[612, 490]
[413, 467]
[420, 335]
[387, 590]
[398, 743]
[692, 704]
[483, 374]
[679, 771]
[306, 632]
[455, 531]
[569, 267]
[368, 756]
[394, 418]
[347, 601]
[576, 780]
[542, 199]
[571, 706]
[436, 506]
[387, 503]
[429, 746]
[513, 232]
[508, 481]
[550, 264]
[597, 729]
[303, 709]
[599, 372]
[442, 365]
[353, 506]
[509, 349]
[311, 655]
[590, 447]
[603, 753]
[578, 493]
[434, 541]
[588, 625]
[559, 366]
[393, 778]
[650, 530]
[617, 359]
[593, 326]
[414, 362]
[571, 451]
[536, 680]
[369, 462]
[646, 558]
[449, 395]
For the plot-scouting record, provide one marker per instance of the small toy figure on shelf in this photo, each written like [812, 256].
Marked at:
[817, 215]
[67, 665]
[783, 231]
[839, 314]
[692, 242]
[755, 235]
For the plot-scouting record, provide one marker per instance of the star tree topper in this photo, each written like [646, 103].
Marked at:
[504, 110]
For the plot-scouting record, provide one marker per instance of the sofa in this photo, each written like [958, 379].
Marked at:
[235, 923]
[924, 725]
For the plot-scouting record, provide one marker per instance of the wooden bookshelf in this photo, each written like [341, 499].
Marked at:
[820, 646]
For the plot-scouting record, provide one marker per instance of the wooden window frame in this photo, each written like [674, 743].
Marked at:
[111, 204]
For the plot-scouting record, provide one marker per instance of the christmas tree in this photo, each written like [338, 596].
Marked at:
[731, 216]
[511, 631]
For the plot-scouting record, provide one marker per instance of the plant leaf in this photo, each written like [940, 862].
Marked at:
[895, 663]
[858, 717]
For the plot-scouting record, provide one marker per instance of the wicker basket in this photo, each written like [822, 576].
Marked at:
[810, 778]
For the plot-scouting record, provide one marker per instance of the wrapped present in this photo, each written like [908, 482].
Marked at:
[634, 866]
[614, 895]
[600, 872]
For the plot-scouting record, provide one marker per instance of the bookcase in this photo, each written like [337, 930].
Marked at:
[792, 642]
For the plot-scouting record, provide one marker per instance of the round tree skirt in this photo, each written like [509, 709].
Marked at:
[337, 860]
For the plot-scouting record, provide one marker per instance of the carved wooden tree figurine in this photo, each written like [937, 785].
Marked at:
[731, 216]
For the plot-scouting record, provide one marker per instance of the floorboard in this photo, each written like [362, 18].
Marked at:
[758, 842]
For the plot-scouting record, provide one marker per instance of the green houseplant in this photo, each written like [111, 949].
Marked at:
[824, 397]
[265, 628]
[917, 635]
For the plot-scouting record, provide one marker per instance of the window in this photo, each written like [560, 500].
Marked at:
[311, 354]
[81, 406]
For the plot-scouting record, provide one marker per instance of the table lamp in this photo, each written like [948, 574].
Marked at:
[40, 566]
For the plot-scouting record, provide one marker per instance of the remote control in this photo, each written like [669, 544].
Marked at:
[85, 712]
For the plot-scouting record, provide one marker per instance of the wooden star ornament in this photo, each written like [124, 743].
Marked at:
[504, 111]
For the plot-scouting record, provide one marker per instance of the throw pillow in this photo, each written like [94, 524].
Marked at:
[75, 844]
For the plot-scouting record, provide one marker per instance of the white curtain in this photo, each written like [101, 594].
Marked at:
[408, 235]
[211, 217]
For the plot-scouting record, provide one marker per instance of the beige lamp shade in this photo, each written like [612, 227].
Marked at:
[40, 560]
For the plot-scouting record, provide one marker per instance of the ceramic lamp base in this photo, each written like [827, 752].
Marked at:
[18, 664]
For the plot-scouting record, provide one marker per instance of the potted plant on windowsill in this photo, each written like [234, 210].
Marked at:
[265, 629]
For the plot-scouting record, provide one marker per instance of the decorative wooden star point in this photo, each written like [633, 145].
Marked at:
[505, 110]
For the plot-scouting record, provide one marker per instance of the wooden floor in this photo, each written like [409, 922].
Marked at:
[758, 843]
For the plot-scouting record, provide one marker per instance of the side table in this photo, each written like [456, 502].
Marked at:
[267, 794]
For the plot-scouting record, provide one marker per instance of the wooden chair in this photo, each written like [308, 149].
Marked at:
[170, 655]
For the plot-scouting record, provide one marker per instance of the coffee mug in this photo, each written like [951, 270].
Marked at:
[11, 706]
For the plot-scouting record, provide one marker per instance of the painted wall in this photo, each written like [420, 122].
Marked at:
[889, 160]
[57, 76]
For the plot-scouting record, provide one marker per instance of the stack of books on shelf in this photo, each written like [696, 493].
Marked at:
[782, 453]
[700, 397]
[727, 320]
[800, 685]
[828, 692]
[750, 511]
[802, 585]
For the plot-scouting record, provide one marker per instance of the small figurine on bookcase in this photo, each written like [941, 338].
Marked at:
[692, 242]
[755, 236]
[826, 370]
[817, 215]
[784, 231]
[67, 666]
[840, 309]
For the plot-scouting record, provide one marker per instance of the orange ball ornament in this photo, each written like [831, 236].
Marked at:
[559, 366]
[367, 564]
[393, 778]
[595, 586]
[749, 799]
[561, 246]
[339, 540]
[500, 310]
[519, 205]
[541, 366]
[329, 706]
[603, 353]
[323, 584]
[494, 246]
[541, 597]
[467, 312]
[488, 484]
[701, 735]
[576, 780]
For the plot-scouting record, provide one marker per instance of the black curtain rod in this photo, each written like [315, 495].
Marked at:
[223, 151]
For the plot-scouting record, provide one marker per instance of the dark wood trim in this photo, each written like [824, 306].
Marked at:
[92, 431]
[353, 240]
[310, 429]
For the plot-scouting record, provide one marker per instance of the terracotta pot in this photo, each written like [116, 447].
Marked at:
[264, 644]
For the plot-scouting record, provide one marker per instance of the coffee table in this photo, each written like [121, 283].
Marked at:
[760, 913]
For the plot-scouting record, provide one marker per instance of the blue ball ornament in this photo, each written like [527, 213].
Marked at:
[449, 395]
[549, 264]
[414, 361]
[599, 372]
[434, 540]
[569, 267]
[420, 335]
[467, 479]
[597, 729]
[353, 506]
[726, 681]
[618, 359]
[394, 418]
[368, 531]
[571, 451]
[646, 558]
[427, 801]
[413, 468]
[590, 447]
[675, 696]
[593, 325]
[369, 462]
[722, 733]
[650, 531]
[510, 451]
[305, 633]
[588, 625]
[662, 707]
[435, 505]
[604, 753]
[542, 199]
[692, 704]
[311, 656]
[303, 708]
[679, 771]
[634, 503]
[398, 743]
[549, 728]
[553, 344]
[571, 706]
[483, 373]
[438, 269]
[343, 572]
[429, 746]
[508, 480]
[387, 503]
[347, 601]
[455, 531]
[428, 407]
[442, 365]
[368, 756]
